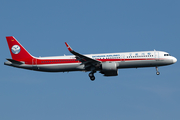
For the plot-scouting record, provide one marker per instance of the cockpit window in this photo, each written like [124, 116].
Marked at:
[166, 54]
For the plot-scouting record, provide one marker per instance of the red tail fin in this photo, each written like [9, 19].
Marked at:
[18, 52]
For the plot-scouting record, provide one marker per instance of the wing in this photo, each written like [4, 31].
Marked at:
[84, 59]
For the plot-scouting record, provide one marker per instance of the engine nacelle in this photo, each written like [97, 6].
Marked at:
[109, 69]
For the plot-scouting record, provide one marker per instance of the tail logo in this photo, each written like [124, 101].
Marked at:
[15, 49]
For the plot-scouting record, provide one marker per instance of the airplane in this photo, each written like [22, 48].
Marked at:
[106, 63]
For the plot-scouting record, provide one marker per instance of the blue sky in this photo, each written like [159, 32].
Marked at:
[96, 26]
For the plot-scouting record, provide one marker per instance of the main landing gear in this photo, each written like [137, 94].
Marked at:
[91, 75]
[157, 72]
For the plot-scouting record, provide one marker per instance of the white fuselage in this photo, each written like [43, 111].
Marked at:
[122, 60]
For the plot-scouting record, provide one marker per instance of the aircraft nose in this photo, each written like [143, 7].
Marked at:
[174, 60]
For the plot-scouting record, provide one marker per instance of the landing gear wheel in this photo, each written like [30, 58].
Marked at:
[91, 74]
[92, 78]
[157, 73]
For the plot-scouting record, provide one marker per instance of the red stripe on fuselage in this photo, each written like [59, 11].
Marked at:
[66, 61]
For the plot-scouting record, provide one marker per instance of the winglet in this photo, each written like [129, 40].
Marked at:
[69, 48]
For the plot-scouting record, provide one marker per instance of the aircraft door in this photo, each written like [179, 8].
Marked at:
[156, 55]
[122, 57]
[34, 64]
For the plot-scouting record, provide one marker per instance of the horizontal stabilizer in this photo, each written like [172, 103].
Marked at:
[14, 61]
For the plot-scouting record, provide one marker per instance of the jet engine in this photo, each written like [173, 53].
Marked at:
[109, 69]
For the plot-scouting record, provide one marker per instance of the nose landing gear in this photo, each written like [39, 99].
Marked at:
[157, 72]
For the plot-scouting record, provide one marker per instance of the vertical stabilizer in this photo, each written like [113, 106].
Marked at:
[18, 52]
